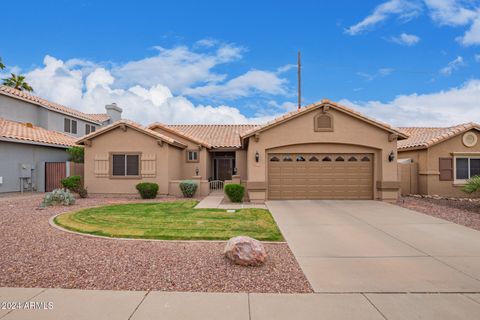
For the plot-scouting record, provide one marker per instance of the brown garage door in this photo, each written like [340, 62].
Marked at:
[320, 176]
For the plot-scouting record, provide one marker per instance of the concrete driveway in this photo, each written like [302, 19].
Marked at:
[372, 247]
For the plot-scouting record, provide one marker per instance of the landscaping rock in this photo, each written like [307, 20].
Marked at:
[245, 251]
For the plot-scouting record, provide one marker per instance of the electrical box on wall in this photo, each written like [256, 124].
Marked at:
[25, 170]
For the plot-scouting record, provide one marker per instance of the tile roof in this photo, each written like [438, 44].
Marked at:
[421, 138]
[17, 94]
[218, 136]
[100, 117]
[316, 105]
[135, 126]
[12, 130]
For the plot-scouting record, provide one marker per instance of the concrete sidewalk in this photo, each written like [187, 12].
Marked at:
[139, 305]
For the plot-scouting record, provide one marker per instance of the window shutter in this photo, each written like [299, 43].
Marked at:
[148, 165]
[66, 125]
[74, 126]
[118, 165]
[101, 165]
[445, 166]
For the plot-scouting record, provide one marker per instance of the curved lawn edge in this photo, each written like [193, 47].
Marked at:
[54, 222]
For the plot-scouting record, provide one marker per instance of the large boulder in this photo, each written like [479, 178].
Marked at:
[245, 251]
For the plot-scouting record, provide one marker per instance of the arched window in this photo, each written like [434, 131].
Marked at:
[274, 159]
[352, 158]
[327, 158]
[300, 158]
[339, 158]
[287, 158]
[313, 158]
[365, 159]
[323, 122]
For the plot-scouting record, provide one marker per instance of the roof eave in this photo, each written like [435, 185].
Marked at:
[45, 144]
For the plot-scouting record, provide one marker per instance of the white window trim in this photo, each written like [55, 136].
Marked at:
[464, 156]
[194, 159]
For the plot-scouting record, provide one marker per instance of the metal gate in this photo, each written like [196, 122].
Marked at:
[54, 172]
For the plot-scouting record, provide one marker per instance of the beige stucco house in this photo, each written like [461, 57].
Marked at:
[438, 161]
[322, 151]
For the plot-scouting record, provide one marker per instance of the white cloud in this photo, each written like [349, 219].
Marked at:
[382, 72]
[405, 10]
[452, 66]
[156, 88]
[477, 57]
[252, 82]
[450, 12]
[444, 108]
[406, 39]
[472, 35]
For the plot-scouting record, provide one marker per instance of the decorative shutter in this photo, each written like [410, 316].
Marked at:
[445, 166]
[101, 165]
[149, 165]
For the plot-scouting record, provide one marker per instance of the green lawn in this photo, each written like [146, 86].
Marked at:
[171, 221]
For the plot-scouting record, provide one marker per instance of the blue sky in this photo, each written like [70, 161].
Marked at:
[406, 62]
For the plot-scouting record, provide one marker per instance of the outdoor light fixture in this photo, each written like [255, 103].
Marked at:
[196, 171]
[257, 156]
[234, 171]
[391, 156]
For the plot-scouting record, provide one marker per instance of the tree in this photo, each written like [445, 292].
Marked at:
[472, 185]
[2, 66]
[76, 154]
[17, 82]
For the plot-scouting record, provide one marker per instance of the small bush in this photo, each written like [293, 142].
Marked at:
[82, 192]
[473, 185]
[58, 197]
[188, 188]
[147, 190]
[235, 192]
[72, 183]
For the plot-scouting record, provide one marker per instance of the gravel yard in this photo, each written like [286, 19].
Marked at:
[461, 212]
[34, 254]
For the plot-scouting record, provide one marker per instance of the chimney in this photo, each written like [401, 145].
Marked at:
[114, 111]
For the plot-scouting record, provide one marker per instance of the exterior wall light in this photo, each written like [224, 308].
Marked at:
[234, 171]
[197, 171]
[391, 156]
[257, 156]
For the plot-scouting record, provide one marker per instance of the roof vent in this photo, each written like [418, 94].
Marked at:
[28, 125]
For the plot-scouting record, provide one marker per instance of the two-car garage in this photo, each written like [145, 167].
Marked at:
[320, 176]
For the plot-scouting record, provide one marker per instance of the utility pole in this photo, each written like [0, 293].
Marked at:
[299, 70]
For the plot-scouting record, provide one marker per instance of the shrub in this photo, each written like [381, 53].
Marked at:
[76, 154]
[188, 188]
[473, 185]
[72, 183]
[235, 192]
[58, 197]
[147, 190]
[82, 192]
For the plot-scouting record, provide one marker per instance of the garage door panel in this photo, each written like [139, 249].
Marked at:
[321, 179]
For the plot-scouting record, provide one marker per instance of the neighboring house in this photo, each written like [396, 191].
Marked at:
[442, 159]
[34, 131]
[323, 151]
[24, 150]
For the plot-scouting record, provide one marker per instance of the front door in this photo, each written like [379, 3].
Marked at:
[224, 169]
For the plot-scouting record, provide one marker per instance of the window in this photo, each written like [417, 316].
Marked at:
[466, 168]
[287, 158]
[125, 165]
[70, 126]
[327, 158]
[352, 159]
[300, 158]
[192, 156]
[313, 158]
[339, 158]
[365, 159]
[274, 159]
[89, 128]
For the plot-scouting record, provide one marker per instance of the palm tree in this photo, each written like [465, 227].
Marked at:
[2, 66]
[17, 82]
